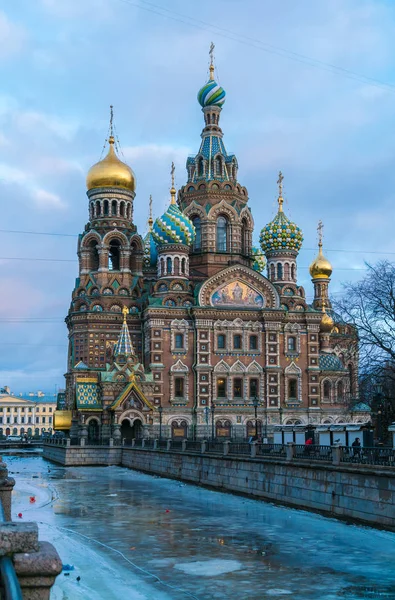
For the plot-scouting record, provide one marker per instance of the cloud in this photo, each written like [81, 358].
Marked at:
[44, 199]
[13, 38]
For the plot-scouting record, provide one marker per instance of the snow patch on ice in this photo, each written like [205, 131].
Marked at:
[277, 592]
[209, 568]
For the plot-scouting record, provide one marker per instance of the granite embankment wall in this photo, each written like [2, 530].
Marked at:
[359, 492]
[365, 494]
[83, 456]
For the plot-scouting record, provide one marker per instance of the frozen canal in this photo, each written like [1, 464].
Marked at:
[131, 536]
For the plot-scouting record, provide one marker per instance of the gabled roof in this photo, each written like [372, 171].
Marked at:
[9, 399]
[129, 388]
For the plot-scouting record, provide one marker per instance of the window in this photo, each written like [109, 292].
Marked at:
[1, 419]
[168, 266]
[44, 409]
[37, 419]
[30, 409]
[237, 388]
[179, 387]
[253, 342]
[291, 344]
[22, 419]
[222, 234]
[253, 388]
[221, 387]
[15, 419]
[279, 271]
[292, 389]
[49, 419]
[237, 341]
[50, 409]
[43, 420]
[29, 420]
[221, 341]
[114, 256]
[340, 390]
[327, 390]
[22, 409]
[179, 341]
[198, 231]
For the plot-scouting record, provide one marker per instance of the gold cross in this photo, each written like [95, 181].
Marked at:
[172, 174]
[211, 53]
[280, 183]
[319, 230]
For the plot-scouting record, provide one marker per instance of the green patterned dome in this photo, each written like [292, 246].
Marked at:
[281, 234]
[260, 261]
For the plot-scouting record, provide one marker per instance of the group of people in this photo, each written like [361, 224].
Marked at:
[356, 445]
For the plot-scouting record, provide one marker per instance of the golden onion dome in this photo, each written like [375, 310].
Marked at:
[320, 268]
[327, 323]
[111, 172]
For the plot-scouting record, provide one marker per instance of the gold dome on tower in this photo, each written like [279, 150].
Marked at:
[320, 268]
[111, 172]
[327, 323]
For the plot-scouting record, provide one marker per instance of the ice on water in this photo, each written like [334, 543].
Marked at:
[135, 537]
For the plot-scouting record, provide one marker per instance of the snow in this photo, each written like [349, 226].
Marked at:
[133, 536]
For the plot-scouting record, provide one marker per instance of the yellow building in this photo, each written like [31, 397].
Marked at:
[19, 416]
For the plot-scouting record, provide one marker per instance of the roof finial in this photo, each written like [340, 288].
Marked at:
[125, 313]
[172, 189]
[320, 234]
[280, 191]
[211, 53]
[150, 219]
[111, 139]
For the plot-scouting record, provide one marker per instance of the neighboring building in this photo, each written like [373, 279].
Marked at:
[32, 416]
[184, 320]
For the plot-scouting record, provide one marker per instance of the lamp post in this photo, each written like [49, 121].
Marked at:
[160, 409]
[212, 419]
[255, 402]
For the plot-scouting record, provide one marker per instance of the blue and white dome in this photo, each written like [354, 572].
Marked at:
[211, 94]
[173, 228]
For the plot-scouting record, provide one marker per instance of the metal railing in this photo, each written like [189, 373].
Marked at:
[176, 444]
[9, 580]
[239, 448]
[193, 446]
[268, 450]
[313, 452]
[217, 447]
[368, 456]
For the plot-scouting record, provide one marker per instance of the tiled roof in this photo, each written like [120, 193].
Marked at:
[331, 362]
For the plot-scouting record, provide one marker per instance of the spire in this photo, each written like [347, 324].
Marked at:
[150, 219]
[172, 189]
[280, 191]
[211, 53]
[124, 344]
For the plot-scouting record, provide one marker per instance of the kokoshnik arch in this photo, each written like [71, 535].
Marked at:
[184, 320]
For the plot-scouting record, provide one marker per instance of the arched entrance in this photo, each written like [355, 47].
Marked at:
[130, 432]
[223, 428]
[93, 430]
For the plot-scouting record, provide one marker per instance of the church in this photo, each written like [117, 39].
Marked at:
[190, 330]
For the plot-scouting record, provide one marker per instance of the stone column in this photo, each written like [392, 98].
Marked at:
[290, 451]
[103, 258]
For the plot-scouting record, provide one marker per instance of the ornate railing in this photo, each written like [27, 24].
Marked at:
[369, 456]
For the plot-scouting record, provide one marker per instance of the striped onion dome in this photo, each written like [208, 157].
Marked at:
[281, 234]
[211, 94]
[173, 227]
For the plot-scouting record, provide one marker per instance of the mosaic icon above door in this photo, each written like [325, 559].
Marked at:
[237, 293]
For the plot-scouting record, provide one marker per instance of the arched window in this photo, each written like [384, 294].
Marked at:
[93, 256]
[198, 229]
[200, 167]
[122, 209]
[168, 266]
[114, 207]
[98, 208]
[218, 166]
[327, 390]
[222, 234]
[114, 256]
[291, 343]
[183, 266]
[244, 237]
[272, 272]
[221, 387]
[292, 389]
[279, 271]
[340, 391]
[105, 211]
[293, 276]
[208, 119]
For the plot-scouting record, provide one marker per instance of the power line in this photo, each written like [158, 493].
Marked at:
[38, 233]
[260, 45]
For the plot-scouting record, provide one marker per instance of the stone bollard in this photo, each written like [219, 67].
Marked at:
[168, 445]
[111, 442]
[183, 445]
[82, 441]
[226, 448]
[290, 451]
[336, 454]
[253, 449]
[6, 487]
[133, 442]
[37, 571]
[68, 443]
[143, 443]
[203, 447]
[156, 443]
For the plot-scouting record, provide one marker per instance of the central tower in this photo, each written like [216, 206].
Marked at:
[213, 198]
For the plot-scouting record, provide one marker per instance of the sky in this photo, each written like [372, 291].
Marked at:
[310, 90]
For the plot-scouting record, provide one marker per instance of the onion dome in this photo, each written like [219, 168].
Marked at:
[320, 268]
[111, 172]
[327, 323]
[173, 227]
[259, 260]
[211, 94]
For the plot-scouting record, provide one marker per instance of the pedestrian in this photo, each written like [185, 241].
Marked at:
[356, 446]
[308, 445]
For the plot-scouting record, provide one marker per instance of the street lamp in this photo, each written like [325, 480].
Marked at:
[212, 419]
[255, 402]
[160, 409]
